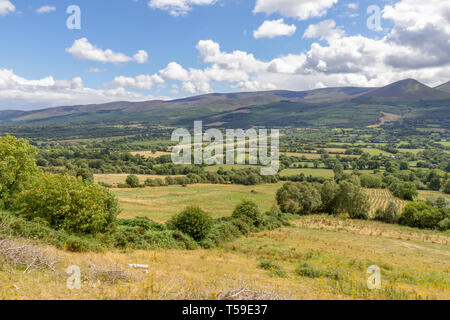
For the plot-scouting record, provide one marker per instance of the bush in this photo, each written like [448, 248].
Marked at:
[192, 221]
[68, 203]
[370, 181]
[444, 225]
[390, 215]
[447, 187]
[248, 210]
[17, 168]
[421, 215]
[132, 181]
[306, 270]
[298, 198]
[404, 190]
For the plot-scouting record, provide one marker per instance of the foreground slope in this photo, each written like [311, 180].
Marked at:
[317, 257]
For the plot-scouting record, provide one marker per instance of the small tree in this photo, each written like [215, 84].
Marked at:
[390, 215]
[248, 210]
[68, 203]
[132, 181]
[447, 187]
[17, 168]
[193, 221]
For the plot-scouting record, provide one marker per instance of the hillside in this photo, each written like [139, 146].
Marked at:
[444, 87]
[347, 106]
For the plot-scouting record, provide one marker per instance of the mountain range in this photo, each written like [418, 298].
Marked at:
[409, 100]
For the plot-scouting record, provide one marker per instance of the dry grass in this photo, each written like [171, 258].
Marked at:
[115, 179]
[412, 268]
[150, 154]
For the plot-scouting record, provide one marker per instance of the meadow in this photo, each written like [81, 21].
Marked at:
[317, 257]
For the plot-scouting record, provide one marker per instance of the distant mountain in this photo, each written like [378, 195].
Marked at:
[444, 87]
[408, 89]
[347, 106]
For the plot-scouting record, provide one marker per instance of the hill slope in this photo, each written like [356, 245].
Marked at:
[347, 106]
[444, 87]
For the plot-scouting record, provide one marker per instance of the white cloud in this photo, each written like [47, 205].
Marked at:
[140, 82]
[178, 7]
[300, 9]
[274, 28]
[18, 92]
[6, 7]
[82, 49]
[324, 30]
[353, 5]
[174, 71]
[141, 56]
[45, 9]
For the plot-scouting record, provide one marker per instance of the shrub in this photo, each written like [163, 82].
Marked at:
[421, 215]
[298, 198]
[404, 190]
[132, 181]
[444, 225]
[447, 187]
[370, 181]
[248, 209]
[17, 168]
[68, 203]
[192, 221]
[306, 270]
[390, 215]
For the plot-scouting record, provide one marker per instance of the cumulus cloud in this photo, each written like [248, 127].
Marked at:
[178, 7]
[274, 28]
[18, 92]
[84, 50]
[140, 82]
[325, 30]
[6, 7]
[300, 9]
[45, 9]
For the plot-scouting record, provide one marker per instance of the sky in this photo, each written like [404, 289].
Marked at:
[58, 52]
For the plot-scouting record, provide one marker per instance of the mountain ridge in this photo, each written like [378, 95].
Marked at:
[355, 103]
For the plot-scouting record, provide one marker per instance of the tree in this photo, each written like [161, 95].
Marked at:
[330, 201]
[68, 203]
[447, 187]
[298, 198]
[193, 221]
[353, 200]
[248, 210]
[435, 183]
[421, 215]
[132, 181]
[17, 168]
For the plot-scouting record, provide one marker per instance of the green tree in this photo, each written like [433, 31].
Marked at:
[248, 210]
[298, 198]
[17, 168]
[132, 181]
[193, 221]
[353, 200]
[68, 203]
[447, 187]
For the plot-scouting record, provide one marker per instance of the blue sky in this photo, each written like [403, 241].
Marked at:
[189, 47]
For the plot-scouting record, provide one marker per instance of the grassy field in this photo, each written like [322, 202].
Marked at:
[326, 173]
[150, 154]
[161, 203]
[115, 179]
[414, 265]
